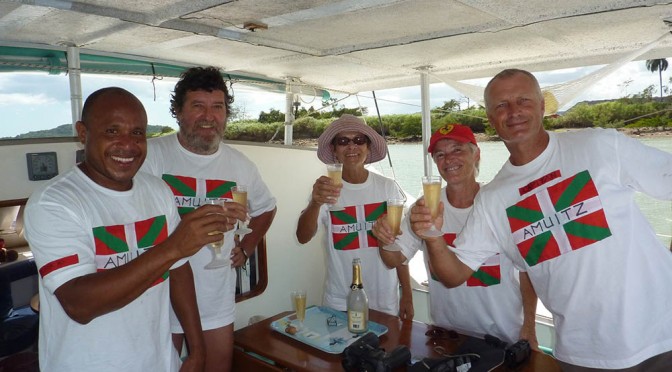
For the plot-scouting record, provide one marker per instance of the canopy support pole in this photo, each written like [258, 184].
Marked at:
[426, 119]
[74, 73]
[289, 112]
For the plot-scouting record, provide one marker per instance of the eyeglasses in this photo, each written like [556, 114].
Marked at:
[442, 333]
[344, 141]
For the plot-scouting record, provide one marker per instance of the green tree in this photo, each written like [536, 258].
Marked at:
[448, 107]
[659, 65]
[338, 109]
[647, 93]
[273, 116]
[236, 113]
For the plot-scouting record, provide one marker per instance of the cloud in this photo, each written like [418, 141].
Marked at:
[13, 99]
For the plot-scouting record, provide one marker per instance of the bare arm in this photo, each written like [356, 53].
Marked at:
[259, 225]
[445, 264]
[528, 331]
[307, 226]
[406, 311]
[87, 297]
[183, 299]
[323, 192]
[392, 259]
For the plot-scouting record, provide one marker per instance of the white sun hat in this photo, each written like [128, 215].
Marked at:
[350, 123]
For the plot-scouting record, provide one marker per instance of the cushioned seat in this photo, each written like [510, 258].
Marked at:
[26, 361]
[18, 322]
[18, 331]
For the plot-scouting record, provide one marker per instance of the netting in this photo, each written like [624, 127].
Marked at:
[556, 96]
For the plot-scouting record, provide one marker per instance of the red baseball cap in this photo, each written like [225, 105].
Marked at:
[458, 132]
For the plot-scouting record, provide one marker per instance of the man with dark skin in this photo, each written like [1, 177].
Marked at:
[105, 238]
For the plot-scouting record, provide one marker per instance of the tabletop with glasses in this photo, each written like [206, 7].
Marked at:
[259, 347]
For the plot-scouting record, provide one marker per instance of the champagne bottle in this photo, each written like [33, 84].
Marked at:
[358, 302]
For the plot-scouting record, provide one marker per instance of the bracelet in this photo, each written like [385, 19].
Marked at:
[245, 254]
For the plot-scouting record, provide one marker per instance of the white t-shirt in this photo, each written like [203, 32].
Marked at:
[193, 179]
[76, 227]
[569, 219]
[349, 236]
[489, 302]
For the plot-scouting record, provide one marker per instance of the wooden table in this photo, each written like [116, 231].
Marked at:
[289, 354]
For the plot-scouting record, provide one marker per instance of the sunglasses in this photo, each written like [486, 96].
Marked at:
[344, 141]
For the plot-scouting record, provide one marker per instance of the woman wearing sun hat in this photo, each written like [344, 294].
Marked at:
[348, 140]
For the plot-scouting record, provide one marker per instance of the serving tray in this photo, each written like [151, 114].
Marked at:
[325, 329]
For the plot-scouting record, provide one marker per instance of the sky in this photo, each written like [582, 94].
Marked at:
[37, 101]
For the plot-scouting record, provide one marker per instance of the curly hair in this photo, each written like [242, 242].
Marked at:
[198, 78]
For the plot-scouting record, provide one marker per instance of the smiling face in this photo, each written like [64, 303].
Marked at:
[202, 120]
[457, 162]
[515, 108]
[351, 154]
[113, 133]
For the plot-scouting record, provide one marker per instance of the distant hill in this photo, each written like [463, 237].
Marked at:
[65, 130]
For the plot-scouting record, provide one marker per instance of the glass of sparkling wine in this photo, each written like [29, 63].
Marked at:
[218, 259]
[335, 172]
[299, 304]
[431, 187]
[240, 196]
[395, 208]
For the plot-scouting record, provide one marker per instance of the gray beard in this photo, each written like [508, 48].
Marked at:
[197, 145]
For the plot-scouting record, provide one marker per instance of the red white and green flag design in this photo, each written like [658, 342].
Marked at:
[190, 193]
[488, 274]
[351, 227]
[560, 219]
[117, 245]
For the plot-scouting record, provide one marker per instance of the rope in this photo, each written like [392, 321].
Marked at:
[387, 150]
[154, 78]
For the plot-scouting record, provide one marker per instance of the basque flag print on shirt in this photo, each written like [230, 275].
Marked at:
[490, 272]
[351, 227]
[559, 219]
[190, 192]
[117, 245]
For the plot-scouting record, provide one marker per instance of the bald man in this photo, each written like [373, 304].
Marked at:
[111, 252]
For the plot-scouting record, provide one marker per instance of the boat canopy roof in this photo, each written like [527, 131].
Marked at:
[343, 46]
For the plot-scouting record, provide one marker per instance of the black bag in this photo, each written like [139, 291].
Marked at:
[453, 363]
[491, 356]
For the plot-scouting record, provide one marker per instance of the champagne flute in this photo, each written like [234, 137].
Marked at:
[431, 187]
[395, 208]
[335, 172]
[218, 259]
[299, 303]
[240, 196]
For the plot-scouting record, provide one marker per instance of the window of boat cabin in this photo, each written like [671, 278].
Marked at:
[37, 105]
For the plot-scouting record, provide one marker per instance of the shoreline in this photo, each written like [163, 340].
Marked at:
[482, 137]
